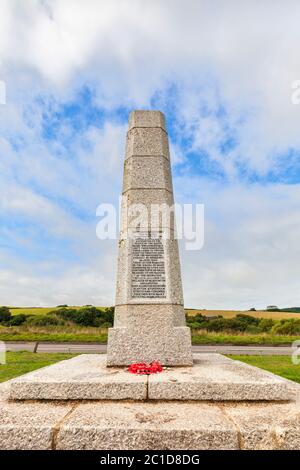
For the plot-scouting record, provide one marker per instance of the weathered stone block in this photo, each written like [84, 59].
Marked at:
[84, 377]
[157, 344]
[147, 118]
[146, 142]
[148, 209]
[140, 316]
[266, 427]
[219, 380]
[148, 427]
[147, 173]
[29, 426]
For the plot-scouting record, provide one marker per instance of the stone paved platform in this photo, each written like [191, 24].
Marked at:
[213, 377]
[149, 424]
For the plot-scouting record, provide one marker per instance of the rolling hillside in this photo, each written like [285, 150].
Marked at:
[224, 313]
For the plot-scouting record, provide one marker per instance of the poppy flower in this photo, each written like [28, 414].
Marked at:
[141, 368]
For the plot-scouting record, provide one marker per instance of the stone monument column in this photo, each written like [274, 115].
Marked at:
[149, 315]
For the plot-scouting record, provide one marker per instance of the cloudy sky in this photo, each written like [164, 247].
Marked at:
[221, 71]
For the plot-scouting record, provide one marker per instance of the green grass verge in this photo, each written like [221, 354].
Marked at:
[280, 365]
[21, 362]
[67, 334]
[242, 339]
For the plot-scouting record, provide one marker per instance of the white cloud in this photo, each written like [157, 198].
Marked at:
[129, 50]
[251, 253]
[78, 286]
[241, 55]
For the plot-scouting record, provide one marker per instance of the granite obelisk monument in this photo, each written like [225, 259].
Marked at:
[149, 315]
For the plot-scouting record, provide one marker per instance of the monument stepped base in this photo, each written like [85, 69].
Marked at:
[212, 377]
[217, 404]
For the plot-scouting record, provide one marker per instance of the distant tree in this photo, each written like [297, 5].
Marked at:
[5, 314]
[253, 309]
[290, 309]
[249, 319]
[108, 315]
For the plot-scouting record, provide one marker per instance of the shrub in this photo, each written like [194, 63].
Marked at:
[44, 320]
[106, 325]
[219, 324]
[248, 319]
[266, 324]
[198, 325]
[289, 326]
[239, 323]
[199, 320]
[86, 316]
[108, 315]
[5, 314]
[64, 313]
[254, 329]
[17, 320]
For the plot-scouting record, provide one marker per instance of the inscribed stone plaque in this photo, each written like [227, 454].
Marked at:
[148, 267]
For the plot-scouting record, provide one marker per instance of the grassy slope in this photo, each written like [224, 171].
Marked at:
[21, 362]
[280, 365]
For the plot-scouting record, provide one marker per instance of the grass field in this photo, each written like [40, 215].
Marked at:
[209, 313]
[233, 313]
[280, 365]
[21, 362]
[31, 310]
[35, 310]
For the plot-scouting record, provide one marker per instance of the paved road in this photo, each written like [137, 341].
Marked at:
[101, 348]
